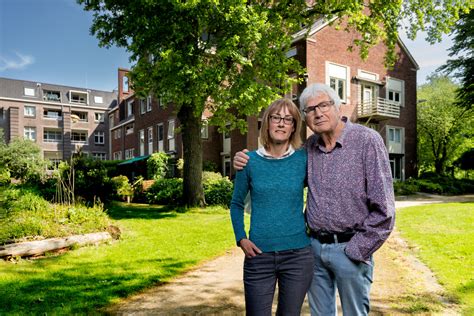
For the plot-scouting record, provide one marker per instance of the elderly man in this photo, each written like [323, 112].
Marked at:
[350, 208]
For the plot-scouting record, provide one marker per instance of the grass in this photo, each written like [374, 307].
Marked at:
[156, 245]
[443, 237]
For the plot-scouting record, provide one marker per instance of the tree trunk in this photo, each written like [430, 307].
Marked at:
[193, 194]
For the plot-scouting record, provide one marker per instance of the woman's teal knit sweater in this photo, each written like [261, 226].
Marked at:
[276, 191]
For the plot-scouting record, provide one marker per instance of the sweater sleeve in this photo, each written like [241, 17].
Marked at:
[237, 205]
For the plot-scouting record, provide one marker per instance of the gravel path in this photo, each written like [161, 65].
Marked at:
[215, 288]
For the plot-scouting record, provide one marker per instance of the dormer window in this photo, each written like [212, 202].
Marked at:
[78, 97]
[49, 95]
[29, 92]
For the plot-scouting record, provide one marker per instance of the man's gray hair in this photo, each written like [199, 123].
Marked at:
[316, 89]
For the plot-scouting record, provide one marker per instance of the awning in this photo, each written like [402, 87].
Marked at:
[377, 82]
[139, 158]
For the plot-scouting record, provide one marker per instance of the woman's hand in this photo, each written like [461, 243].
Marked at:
[249, 248]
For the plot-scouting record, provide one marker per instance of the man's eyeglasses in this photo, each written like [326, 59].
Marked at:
[276, 119]
[323, 107]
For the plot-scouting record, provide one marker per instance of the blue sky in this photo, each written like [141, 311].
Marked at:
[48, 41]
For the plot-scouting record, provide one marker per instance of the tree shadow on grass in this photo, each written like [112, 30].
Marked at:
[144, 211]
[83, 288]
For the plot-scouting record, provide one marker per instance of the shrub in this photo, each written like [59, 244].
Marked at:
[209, 166]
[4, 177]
[157, 165]
[28, 214]
[217, 189]
[122, 187]
[165, 191]
[407, 187]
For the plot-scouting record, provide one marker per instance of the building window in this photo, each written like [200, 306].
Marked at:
[79, 116]
[29, 92]
[129, 153]
[52, 136]
[117, 155]
[99, 156]
[339, 85]
[129, 129]
[129, 108]
[79, 136]
[141, 140]
[396, 166]
[111, 120]
[395, 90]
[98, 100]
[148, 103]
[125, 84]
[337, 77]
[160, 132]
[150, 140]
[52, 96]
[99, 117]
[226, 166]
[29, 111]
[205, 129]
[142, 106]
[52, 114]
[394, 135]
[78, 97]
[171, 143]
[99, 138]
[29, 133]
[117, 133]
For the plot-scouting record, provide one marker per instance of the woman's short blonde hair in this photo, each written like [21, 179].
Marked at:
[276, 106]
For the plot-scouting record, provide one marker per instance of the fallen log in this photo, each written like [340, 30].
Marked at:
[37, 247]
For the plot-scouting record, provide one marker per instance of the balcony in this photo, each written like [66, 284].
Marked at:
[378, 109]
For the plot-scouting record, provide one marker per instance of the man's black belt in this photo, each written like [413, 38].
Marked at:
[331, 238]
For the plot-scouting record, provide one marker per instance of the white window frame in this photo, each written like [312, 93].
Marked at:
[150, 139]
[79, 93]
[141, 141]
[51, 114]
[98, 99]
[129, 129]
[26, 112]
[142, 106]
[117, 155]
[129, 108]
[58, 136]
[80, 134]
[129, 153]
[148, 103]
[29, 92]
[99, 155]
[99, 137]
[161, 139]
[29, 132]
[171, 136]
[99, 117]
[339, 73]
[395, 86]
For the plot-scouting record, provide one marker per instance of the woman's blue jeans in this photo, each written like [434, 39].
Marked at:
[333, 269]
[292, 269]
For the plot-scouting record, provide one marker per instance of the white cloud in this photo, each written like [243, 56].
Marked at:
[20, 62]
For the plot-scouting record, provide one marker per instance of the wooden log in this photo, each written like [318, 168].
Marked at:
[31, 248]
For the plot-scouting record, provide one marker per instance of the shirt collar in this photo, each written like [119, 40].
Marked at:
[340, 140]
[262, 152]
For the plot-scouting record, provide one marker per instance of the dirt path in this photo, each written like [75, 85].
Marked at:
[215, 288]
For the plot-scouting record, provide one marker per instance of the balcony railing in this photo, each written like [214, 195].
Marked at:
[379, 108]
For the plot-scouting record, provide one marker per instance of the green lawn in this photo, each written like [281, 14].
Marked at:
[155, 246]
[443, 236]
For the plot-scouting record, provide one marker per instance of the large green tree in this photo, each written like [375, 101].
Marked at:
[229, 55]
[444, 129]
[462, 63]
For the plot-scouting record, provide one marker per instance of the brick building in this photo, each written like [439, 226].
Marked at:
[62, 120]
[383, 99]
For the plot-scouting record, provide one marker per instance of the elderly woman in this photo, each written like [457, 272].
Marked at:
[278, 248]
